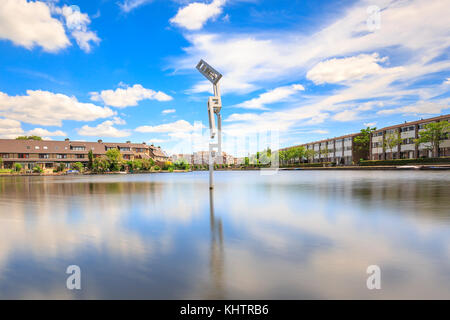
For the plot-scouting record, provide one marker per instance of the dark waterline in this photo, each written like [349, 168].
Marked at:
[294, 235]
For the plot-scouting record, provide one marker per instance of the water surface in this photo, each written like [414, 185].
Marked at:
[294, 235]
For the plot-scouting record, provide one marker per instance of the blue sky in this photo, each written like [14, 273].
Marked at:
[125, 69]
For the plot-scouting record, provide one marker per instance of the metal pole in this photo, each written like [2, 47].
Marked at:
[219, 137]
[211, 168]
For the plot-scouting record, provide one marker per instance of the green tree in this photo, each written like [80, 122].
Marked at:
[17, 167]
[91, 160]
[78, 166]
[433, 134]
[37, 169]
[362, 142]
[100, 165]
[246, 161]
[391, 140]
[309, 154]
[182, 164]
[114, 158]
[1, 163]
[324, 152]
[299, 153]
[61, 167]
[29, 138]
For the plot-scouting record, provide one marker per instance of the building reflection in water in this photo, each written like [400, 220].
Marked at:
[217, 252]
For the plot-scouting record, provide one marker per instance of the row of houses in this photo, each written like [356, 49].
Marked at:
[343, 150]
[48, 153]
[202, 158]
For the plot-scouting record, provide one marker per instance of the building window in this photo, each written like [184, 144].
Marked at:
[79, 156]
[23, 156]
[124, 149]
[5, 155]
[45, 148]
[36, 147]
[408, 141]
[61, 156]
[406, 129]
[44, 156]
[77, 148]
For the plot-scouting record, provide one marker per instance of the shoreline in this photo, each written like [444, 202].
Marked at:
[345, 168]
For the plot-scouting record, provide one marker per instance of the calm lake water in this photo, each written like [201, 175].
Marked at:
[294, 235]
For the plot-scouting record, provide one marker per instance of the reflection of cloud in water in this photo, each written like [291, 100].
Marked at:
[292, 235]
[315, 243]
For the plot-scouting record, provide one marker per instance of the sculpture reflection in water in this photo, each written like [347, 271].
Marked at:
[217, 254]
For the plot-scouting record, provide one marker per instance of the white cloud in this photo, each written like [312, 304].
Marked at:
[247, 60]
[10, 129]
[421, 107]
[153, 141]
[128, 5]
[105, 129]
[276, 95]
[346, 115]
[447, 81]
[44, 132]
[167, 111]
[196, 14]
[47, 108]
[370, 124]
[30, 24]
[128, 96]
[346, 69]
[77, 23]
[174, 127]
[251, 61]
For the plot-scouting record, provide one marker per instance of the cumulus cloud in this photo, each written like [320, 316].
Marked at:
[276, 95]
[128, 96]
[77, 23]
[196, 14]
[30, 24]
[41, 132]
[48, 108]
[447, 81]
[370, 124]
[105, 129]
[10, 129]
[167, 111]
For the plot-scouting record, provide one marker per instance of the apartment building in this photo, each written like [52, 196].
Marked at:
[48, 154]
[341, 150]
[202, 158]
[157, 154]
[189, 158]
[407, 148]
